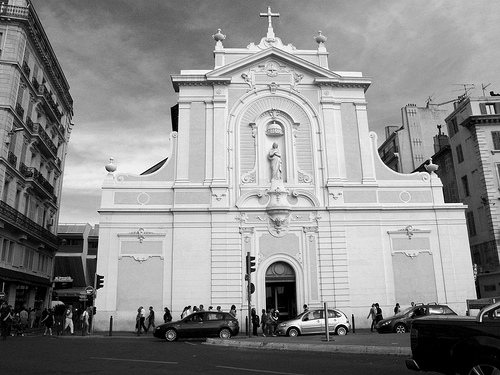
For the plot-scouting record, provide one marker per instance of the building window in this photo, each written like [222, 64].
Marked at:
[465, 186]
[490, 109]
[460, 154]
[496, 140]
[471, 225]
[453, 127]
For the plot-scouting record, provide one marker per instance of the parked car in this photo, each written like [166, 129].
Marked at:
[200, 324]
[400, 323]
[313, 321]
[457, 344]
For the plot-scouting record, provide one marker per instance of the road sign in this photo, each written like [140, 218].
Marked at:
[2, 295]
[89, 290]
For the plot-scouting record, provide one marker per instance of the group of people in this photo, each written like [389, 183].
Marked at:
[188, 310]
[375, 314]
[63, 317]
[16, 322]
[141, 319]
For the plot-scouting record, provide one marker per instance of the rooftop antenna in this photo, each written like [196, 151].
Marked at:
[429, 100]
[483, 87]
[467, 88]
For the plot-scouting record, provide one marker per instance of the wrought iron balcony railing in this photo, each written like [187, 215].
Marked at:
[12, 159]
[15, 218]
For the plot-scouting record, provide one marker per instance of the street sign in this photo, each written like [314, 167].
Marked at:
[89, 290]
[2, 295]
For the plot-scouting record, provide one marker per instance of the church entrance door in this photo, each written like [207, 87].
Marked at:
[281, 290]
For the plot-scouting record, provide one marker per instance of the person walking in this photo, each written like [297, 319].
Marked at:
[397, 309]
[233, 310]
[167, 316]
[255, 321]
[68, 320]
[378, 316]
[141, 314]
[5, 319]
[372, 314]
[85, 321]
[151, 318]
[263, 321]
[47, 319]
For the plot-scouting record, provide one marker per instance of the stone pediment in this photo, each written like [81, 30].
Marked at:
[279, 59]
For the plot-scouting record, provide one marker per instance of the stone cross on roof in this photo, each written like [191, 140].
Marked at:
[270, 15]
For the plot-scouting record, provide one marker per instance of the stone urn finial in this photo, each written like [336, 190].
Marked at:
[431, 168]
[219, 37]
[320, 38]
[110, 168]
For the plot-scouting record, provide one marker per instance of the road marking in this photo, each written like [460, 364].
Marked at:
[255, 370]
[134, 360]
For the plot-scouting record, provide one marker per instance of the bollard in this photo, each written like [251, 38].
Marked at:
[111, 325]
[353, 324]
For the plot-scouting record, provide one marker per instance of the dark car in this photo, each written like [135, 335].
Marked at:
[400, 323]
[200, 324]
[457, 344]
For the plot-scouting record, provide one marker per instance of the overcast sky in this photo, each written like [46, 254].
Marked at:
[118, 55]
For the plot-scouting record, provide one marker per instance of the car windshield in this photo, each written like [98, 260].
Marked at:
[405, 311]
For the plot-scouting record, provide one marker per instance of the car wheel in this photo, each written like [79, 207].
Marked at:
[225, 333]
[171, 334]
[481, 366]
[293, 332]
[400, 328]
[341, 331]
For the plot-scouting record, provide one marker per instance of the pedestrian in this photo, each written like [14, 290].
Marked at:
[5, 319]
[219, 309]
[275, 318]
[85, 321]
[378, 316]
[189, 310]
[372, 314]
[142, 319]
[47, 319]
[32, 317]
[167, 316]
[397, 309]
[210, 308]
[68, 320]
[255, 321]
[184, 312]
[151, 318]
[23, 320]
[233, 310]
[201, 308]
[270, 323]
[263, 321]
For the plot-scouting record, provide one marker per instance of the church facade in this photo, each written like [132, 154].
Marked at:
[273, 157]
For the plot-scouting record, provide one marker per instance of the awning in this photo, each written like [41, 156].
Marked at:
[23, 277]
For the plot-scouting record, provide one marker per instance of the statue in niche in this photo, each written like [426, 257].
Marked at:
[274, 157]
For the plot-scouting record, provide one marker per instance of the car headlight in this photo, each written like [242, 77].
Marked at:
[386, 323]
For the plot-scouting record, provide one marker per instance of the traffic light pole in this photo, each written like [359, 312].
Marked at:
[249, 293]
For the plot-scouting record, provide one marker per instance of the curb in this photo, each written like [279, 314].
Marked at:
[356, 349]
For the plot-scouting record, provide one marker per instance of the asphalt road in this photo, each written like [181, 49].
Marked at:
[122, 356]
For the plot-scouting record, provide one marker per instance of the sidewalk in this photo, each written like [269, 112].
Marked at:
[363, 341]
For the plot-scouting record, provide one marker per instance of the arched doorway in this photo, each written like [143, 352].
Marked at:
[281, 290]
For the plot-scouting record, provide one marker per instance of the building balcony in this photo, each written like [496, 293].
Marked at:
[26, 69]
[49, 102]
[50, 147]
[12, 159]
[33, 175]
[13, 217]
[19, 110]
[13, 11]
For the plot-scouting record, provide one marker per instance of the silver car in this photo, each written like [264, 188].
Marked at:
[313, 321]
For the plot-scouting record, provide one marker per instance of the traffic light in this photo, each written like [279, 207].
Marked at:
[250, 264]
[99, 281]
